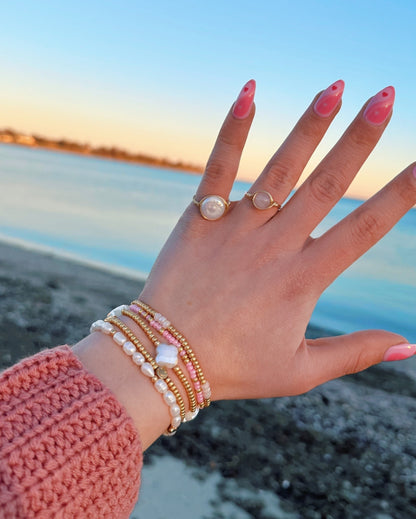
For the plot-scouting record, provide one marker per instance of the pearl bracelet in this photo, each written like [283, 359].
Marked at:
[166, 361]
[166, 329]
[136, 351]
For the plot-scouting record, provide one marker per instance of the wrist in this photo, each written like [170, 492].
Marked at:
[101, 357]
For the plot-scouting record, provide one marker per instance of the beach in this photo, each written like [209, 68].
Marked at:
[344, 450]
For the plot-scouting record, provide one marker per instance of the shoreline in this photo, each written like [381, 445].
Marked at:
[155, 163]
[37, 248]
[323, 454]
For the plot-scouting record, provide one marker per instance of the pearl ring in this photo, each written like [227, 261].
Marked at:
[212, 207]
[263, 200]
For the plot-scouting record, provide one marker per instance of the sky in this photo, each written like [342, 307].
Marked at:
[159, 77]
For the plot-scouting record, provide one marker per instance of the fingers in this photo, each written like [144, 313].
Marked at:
[333, 357]
[285, 167]
[223, 163]
[360, 230]
[328, 183]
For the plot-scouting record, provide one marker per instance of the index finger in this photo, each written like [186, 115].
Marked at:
[222, 165]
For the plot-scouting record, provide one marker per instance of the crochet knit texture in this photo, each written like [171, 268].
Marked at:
[68, 448]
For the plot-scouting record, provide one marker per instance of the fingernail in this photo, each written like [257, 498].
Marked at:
[380, 106]
[329, 99]
[245, 100]
[400, 352]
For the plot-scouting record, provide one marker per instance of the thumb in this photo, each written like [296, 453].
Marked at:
[333, 357]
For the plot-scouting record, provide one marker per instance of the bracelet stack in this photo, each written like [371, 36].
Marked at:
[197, 390]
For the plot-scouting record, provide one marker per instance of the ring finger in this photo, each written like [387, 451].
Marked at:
[285, 167]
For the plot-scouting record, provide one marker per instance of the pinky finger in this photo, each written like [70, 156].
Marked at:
[359, 231]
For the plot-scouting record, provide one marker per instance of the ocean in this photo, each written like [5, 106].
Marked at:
[118, 215]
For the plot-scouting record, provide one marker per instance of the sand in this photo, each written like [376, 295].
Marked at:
[344, 450]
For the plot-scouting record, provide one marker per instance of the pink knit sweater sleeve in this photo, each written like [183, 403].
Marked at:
[68, 448]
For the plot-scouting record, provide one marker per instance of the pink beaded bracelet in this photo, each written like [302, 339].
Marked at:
[164, 327]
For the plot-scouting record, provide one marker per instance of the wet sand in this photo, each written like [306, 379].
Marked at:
[344, 450]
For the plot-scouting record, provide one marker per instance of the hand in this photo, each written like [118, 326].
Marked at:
[242, 288]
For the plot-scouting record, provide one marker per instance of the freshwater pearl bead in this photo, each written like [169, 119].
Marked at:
[161, 386]
[119, 338]
[176, 422]
[96, 326]
[170, 398]
[212, 207]
[138, 358]
[175, 410]
[189, 415]
[167, 356]
[117, 312]
[107, 328]
[130, 349]
[147, 369]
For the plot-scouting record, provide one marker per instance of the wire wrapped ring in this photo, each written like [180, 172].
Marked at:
[212, 207]
[262, 200]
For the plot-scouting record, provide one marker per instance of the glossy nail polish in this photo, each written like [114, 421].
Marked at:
[245, 100]
[400, 352]
[329, 99]
[380, 106]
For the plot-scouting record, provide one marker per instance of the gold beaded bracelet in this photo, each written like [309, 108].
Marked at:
[204, 387]
[159, 373]
[179, 373]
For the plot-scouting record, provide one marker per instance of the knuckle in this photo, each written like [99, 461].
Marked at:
[216, 168]
[327, 186]
[366, 228]
[280, 174]
[355, 363]
[406, 190]
[361, 138]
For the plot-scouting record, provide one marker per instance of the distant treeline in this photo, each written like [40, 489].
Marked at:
[13, 137]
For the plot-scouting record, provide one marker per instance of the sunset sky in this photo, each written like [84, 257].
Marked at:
[158, 77]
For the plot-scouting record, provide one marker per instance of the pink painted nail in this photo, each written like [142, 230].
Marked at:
[245, 100]
[400, 352]
[380, 106]
[329, 99]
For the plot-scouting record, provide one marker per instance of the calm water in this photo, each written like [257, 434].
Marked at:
[120, 215]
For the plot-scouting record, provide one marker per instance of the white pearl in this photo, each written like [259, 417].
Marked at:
[167, 355]
[117, 312]
[161, 386]
[147, 370]
[130, 349]
[107, 328]
[175, 410]
[119, 338]
[212, 207]
[137, 357]
[189, 415]
[96, 326]
[169, 398]
[176, 422]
